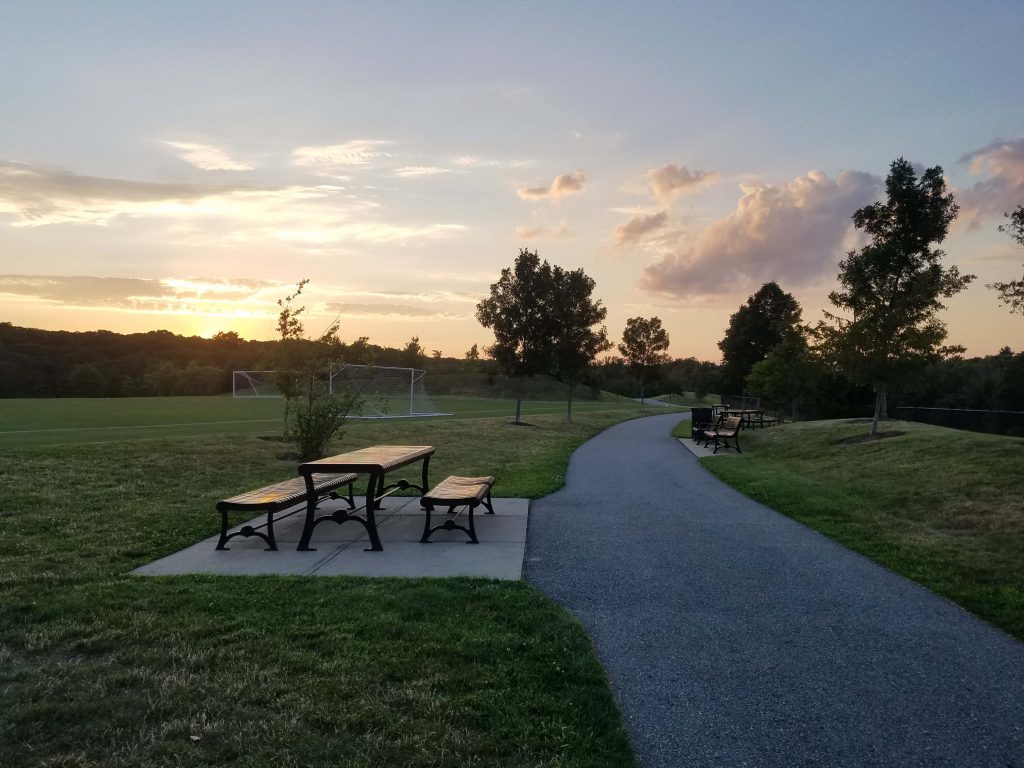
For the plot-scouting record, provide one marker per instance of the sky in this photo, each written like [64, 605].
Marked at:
[183, 165]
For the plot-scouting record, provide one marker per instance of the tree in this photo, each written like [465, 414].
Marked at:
[643, 346]
[473, 359]
[757, 326]
[577, 342]
[894, 285]
[1012, 292]
[413, 353]
[520, 313]
[313, 414]
[787, 375]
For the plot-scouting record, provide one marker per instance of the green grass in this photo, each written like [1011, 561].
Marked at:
[100, 668]
[66, 421]
[940, 506]
[689, 399]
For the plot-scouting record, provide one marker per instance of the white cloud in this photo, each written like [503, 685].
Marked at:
[792, 232]
[305, 215]
[356, 152]
[639, 226]
[671, 180]
[563, 186]
[1003, 190]
[206, 157]
[419, 170]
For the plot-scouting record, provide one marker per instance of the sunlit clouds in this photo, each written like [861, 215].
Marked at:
[206, 157]
[350, 153]
[640, 226]
[792, 232]
[1003, 163]
[564, 185]
[671, 180]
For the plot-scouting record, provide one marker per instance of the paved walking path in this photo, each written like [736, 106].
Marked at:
[734, 636]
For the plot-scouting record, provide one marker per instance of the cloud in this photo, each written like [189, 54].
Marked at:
[403, 311]
[180, 295]
[639, 226]
[475, 161]
[563, 186]
[304, 215]
[534, 233]
[792, 232]
[206, 157]
[418, 170]
[670, 180]
[356, 152]
[1003, 162]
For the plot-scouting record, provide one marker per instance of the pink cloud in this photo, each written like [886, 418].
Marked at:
[639, 226]
[1003, 190]
[671, 180]
[563, 186]
[792, 232]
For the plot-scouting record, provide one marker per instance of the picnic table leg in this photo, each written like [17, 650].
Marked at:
[374, 486]
[307, 528]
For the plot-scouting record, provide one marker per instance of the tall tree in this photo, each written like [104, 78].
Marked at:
[1012, 293]
[413, 353]
[894, 285]
[577, 342]
[519, 311]
[754, 329]
[643, 346]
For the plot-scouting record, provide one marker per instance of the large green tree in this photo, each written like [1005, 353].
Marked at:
[520, 313]
[577, 342]
[893, 287]
[754, 329]
[643, 346]
[1012, 293]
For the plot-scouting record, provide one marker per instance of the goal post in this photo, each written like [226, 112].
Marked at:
[383, 391]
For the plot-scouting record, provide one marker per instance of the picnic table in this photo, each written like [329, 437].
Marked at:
[375, 461]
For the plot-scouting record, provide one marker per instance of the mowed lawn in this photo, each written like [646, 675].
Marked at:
[101, 668]
[940, 506]
[62, 421]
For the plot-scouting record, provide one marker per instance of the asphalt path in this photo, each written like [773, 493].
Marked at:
[734, 636]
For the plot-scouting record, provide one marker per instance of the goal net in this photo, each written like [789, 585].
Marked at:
[384, 392]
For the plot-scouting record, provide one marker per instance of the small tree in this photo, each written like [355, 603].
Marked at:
[473, 359]
[519, 312]
[1012, 292]
[643, 346]
[757, 326]
[413, 353]
[577, 342]
[894, 285]
[313, 414]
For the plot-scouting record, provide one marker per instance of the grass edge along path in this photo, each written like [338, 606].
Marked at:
[100, 668]
[939, 506]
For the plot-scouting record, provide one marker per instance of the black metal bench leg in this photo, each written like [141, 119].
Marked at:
[472, 528]
[222, 544]
[487, 503]
[271, 541]
[425, 538]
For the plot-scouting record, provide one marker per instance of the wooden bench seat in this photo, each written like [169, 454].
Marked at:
[276, 497]
[722, 433]
[454, 492]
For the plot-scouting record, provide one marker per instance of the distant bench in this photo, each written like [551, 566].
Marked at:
[276, 497]
[724, 431]
[452, 492]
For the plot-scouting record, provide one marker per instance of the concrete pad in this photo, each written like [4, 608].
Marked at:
[440, 559]
[700, 451]
[340, 548]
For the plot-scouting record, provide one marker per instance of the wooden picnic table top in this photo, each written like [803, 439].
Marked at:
[376, 458]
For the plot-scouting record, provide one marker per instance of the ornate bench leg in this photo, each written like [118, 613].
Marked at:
[472, 529]
[425, 538]
[222, 544]
[487, 503]
[271, 541]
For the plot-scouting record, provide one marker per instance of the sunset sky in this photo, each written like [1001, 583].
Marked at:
[182, 165]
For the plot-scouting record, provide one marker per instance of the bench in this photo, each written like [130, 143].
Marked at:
[722, 433]
[274, 498]
[452, 492]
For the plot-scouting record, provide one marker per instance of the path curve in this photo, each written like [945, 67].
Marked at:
[734, 636]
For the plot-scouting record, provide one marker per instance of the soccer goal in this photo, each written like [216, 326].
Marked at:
[384, 392]
[254, 384]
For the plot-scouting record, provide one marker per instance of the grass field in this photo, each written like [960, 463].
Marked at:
[65, 421]
[940, 506]
[100, 668]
